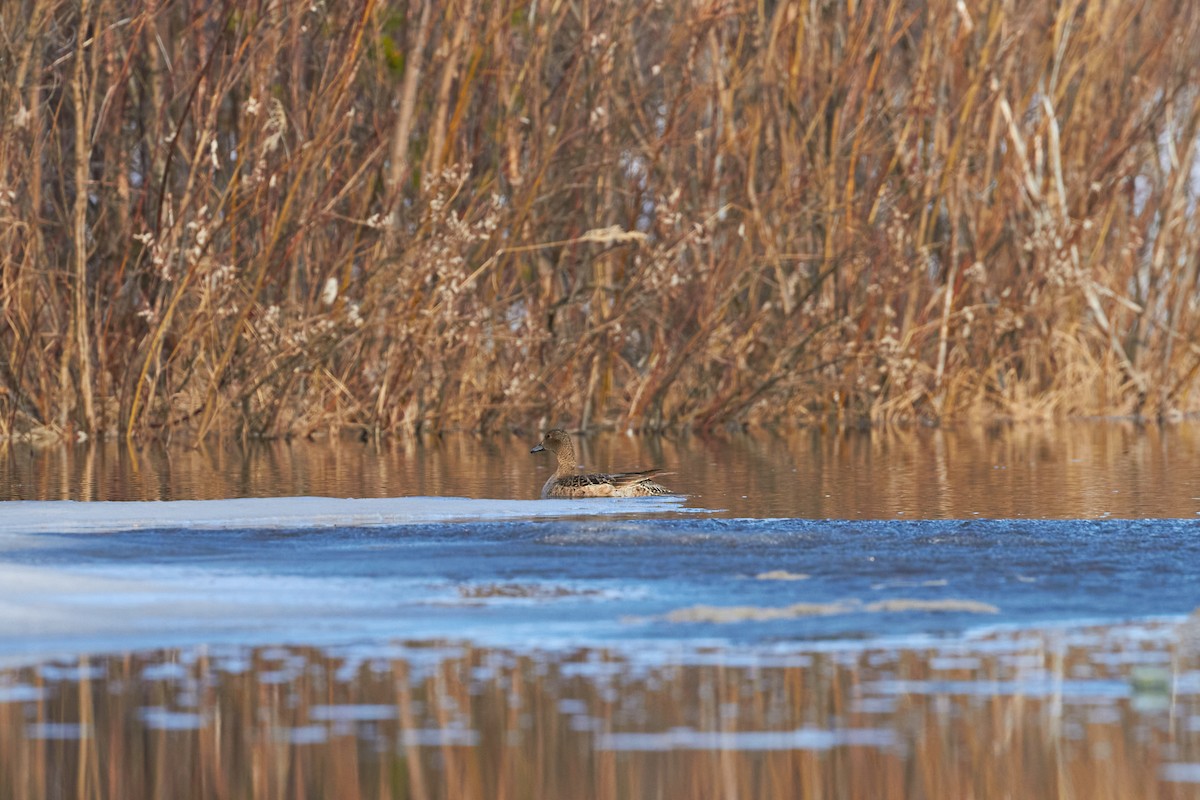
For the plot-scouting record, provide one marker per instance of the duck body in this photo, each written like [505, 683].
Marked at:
[621, 484]
[567, 481]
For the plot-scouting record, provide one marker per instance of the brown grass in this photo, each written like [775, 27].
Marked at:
[276, 218]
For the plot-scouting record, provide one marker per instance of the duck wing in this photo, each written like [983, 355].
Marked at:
[601, 484]
[622, 479]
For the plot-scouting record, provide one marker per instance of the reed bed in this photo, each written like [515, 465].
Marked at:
[1024, 714]
[273, 219]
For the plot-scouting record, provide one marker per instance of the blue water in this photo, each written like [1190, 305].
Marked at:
[592, 581]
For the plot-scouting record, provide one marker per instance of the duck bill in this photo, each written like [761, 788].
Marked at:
[537, 449]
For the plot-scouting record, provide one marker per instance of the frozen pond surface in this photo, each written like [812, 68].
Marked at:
[102, 577]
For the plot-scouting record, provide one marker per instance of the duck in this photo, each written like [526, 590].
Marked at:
[568, 481]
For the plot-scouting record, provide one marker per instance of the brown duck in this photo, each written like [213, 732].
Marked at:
[568, 481]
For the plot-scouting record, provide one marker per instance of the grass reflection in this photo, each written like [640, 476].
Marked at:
[1095, 712]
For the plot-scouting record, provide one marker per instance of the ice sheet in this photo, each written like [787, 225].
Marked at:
[294, 513]
[105, 577]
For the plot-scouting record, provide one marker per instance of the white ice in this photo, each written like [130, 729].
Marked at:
[291, 513]
[60, 603]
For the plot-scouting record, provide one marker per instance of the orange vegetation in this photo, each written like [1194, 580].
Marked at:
[272, 218]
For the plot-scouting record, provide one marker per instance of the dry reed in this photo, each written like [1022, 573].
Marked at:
[390, 215]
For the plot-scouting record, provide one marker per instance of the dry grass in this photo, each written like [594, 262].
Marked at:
[277, 218]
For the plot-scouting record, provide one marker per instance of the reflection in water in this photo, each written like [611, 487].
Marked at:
[1061, 470]
[1089, 712]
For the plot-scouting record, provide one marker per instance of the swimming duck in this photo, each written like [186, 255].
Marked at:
[568, 481]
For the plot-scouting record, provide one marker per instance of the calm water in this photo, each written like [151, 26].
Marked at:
[1068, 470]
[986, 613]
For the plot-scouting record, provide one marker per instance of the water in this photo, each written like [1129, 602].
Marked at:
[1008, 612]
[1072, 470]
[1087, 711]
[594, 581]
